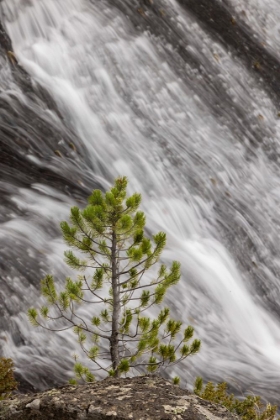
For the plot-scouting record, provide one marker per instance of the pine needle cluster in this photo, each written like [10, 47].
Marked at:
[249, 408]
[7, 380]
[113, 254]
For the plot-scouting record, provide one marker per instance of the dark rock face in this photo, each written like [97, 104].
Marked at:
[146, 397]
[34, 126]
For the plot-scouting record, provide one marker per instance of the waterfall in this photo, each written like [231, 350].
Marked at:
[182, 98]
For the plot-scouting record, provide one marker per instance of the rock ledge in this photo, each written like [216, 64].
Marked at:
[140, 398]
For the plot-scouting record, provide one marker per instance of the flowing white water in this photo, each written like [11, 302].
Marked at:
[200, 178]
[263, 16]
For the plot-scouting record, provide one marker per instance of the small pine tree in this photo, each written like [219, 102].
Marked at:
[7, 380]
[110, 232]
[249, 408]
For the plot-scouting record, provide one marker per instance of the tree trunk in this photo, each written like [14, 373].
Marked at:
[114, 341]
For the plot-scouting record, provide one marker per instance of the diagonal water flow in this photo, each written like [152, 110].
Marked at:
[263, 17]
[203, 177]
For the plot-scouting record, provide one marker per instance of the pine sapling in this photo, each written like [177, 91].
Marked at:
[109, 234]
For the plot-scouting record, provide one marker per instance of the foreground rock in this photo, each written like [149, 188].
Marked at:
[145, 397]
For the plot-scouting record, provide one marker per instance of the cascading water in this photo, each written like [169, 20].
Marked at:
[148, 90]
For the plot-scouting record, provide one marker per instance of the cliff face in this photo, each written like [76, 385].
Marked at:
[145, 397]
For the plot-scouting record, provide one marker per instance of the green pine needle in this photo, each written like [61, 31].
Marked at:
[32, 315]
[124, 366]
[176, 380]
